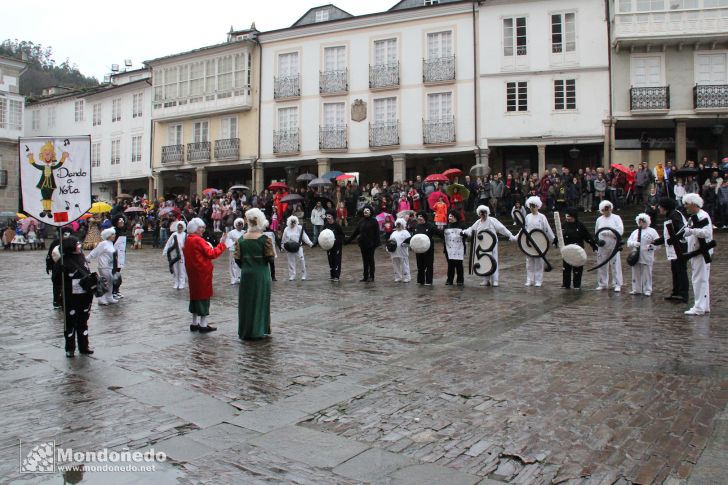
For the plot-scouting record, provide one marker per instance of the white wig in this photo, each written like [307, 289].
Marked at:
[483, 208]
[534, 200]
[644, 218]
[108, 233]
[195, 224]
[292, 220]
[173, 226]
[400, 222]
[693, 199]
[605, 204]
[255, 218]
[240, 220]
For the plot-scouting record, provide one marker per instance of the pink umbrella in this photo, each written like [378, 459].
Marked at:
[435, 196]
[381, 218]
[437, 177]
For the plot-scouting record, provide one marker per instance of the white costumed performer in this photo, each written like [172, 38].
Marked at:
[178, 238]
[642, 238]
[536, 220]
[607, 219]
[699, 235]
[231, 243]
[292, 233]
[104, 251]
[487, 223]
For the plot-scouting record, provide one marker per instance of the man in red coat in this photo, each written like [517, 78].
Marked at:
[198, 263]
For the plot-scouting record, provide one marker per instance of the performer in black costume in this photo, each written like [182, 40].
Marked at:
[678, 266]
[334, 254]
[575, 233]
[368, 233]
[78, 301]
[426, 260]
[454, 248]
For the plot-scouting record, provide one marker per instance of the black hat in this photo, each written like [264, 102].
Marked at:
[572, 212]
[455, 214]
[667, 203]
[69, 244]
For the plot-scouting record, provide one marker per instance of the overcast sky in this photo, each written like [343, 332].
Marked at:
[94, 35]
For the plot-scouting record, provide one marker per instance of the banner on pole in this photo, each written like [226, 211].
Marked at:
[55, 178]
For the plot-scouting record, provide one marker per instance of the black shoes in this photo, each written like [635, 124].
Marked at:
[70, 353]
[194, 328]
[86, 352]
[207, 329]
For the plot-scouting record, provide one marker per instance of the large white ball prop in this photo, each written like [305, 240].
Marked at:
[574, 255]
[420, 243]
[326, 239]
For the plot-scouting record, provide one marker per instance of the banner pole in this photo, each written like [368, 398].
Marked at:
[63, 283]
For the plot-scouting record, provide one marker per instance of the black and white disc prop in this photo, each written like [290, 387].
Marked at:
[326, 239]
[481, 261]
[420, 243]
[535, 246]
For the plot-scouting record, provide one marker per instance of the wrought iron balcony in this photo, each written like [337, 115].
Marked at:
[437, 132]
[173, 153]
[650, 98]
[384, 134]
[198, 152]
[713, 96]
[227, 149]
[286, 141]
[287, 86]
[384, 75]
[333, 137]
[334, 81]
[438, 70]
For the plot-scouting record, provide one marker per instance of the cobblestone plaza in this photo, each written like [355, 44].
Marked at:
[375, 383]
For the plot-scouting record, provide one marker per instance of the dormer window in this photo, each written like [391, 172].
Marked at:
[431, 2]
[322, 15]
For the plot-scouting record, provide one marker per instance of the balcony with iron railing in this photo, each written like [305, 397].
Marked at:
[287, 87]
[707, 23]
[655, 98]
[334, 82]
[286, 141]
[710, 97]
[438, 132]
[384, 134]
[173, 154]
[333, 138]
[441, 69]
[198, 151]
[384, 75]
[227, 149]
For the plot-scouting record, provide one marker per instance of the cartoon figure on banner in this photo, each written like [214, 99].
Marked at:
[47, 182]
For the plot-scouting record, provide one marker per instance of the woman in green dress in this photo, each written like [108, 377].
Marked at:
[252, 253]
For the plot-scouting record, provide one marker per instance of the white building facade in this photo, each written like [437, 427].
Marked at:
[670, 80]
[543, 83]
[11, 127]
[388, 95]
[117, 116]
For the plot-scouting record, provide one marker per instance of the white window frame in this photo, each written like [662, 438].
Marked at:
[51, 116]
[35, 117]
[116, 151]
[97, 114]
[200, 131]
[519, 95]
[115, 110]
[175, 134]
[78, 110]
[15, 115]
[287, 118]
[136, 148]
[633, 57]
[444, 101]
[286, 68]
[322, 15]
[96, 154]
[137, 107]
[700, 54]
[229, 127]
[563, 86]
[440, 44]
[564, 34]
[430, 2]
[385, 110]
[334, 58]
[338, 108]
[515, 50]
[389, 53]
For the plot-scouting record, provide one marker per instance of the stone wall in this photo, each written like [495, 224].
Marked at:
[9, 162]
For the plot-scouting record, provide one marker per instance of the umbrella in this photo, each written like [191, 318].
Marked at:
[332, 174]
[686, 172]
[464, 191]
[433, 198]
[405, 214]
[169, 210]
[323, 199]
[292, 199]
[345, 176]
[239, 187]
[452, 172]
[211, 191]
[319, 182]
[26, 223]
[20, 215]
[277, 185]
[134, 209]
[305, 177]
[87, 215]
[124, 196]
[100, 208]
[437, 177]
[381, 217]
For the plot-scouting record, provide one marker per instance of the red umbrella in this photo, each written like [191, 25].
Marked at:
[435, 196]
[211, 191]
[277, 185]
[452, 172]
[437, 177]
[87, 215]
[345, 176]
[624, 170]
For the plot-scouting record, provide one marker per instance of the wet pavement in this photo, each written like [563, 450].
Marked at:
[374, 383]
